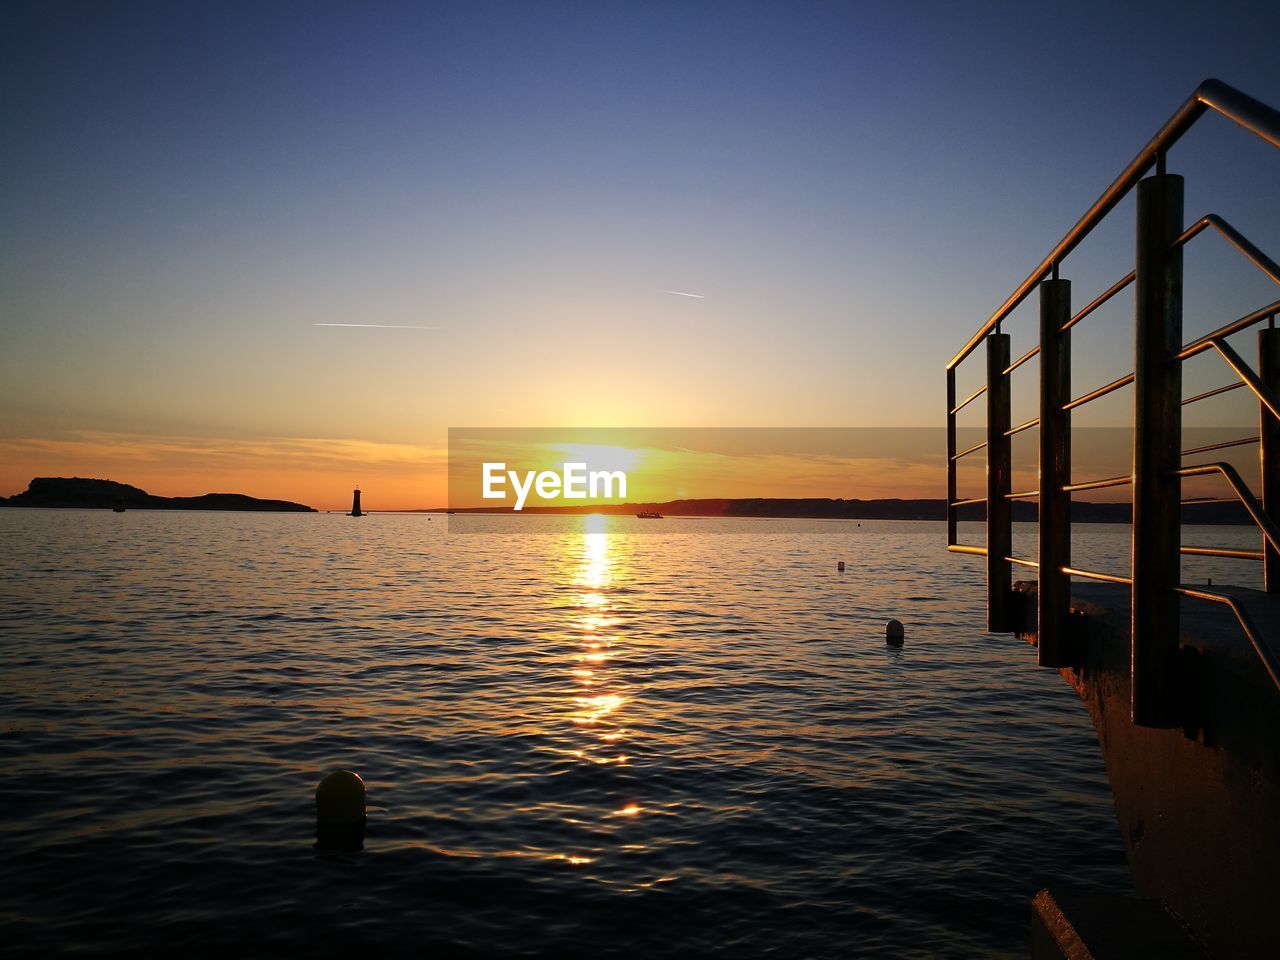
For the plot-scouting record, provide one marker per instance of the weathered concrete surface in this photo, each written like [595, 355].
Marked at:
[1074, 927]
[1198, 808]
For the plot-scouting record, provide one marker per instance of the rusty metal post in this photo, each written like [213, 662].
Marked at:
[952, 467]
[1269, 451]
[999, 470]
[1054, 592]
[1157, 446]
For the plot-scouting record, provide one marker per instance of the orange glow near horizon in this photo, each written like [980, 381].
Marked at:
[318, 472]
[662, 465]
[321, 472]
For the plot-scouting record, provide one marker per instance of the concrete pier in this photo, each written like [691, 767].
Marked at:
[1198, 806]
[1075, 927]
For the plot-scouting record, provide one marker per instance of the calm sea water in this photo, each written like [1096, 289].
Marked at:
[583, 737]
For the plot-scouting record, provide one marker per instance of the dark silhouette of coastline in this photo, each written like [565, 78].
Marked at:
[84, 493]
[816, 508]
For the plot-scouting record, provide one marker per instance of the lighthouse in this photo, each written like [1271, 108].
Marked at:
[355, 503]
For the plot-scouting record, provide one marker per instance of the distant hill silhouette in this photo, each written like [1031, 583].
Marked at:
[103, 495]
[816, 508]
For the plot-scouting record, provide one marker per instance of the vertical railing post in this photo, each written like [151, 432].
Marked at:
[1269, 451]
[1157, 444]
[1054, 590]
[999, 508]
[951, 456]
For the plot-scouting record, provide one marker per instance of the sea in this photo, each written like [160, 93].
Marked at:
[579, 736]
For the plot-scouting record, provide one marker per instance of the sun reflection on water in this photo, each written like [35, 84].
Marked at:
[596, 708]
[595, 698]
[595, 542]
[597, 703]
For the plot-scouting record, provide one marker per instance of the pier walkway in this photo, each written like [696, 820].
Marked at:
[1182, 681]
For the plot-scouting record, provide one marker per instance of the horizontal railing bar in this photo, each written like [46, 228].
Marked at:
[1251, 379]
[1237, 240]
[1200, 501]
[1021, 360]
[969, 399]
[1091, 575]
[1269, 662]
[1214, 95]
[968, 503]
[1245, 246]
[1220, 552]
[974, 449]
[1222, 446]
[1111, 387]
[1248, 320]
[965, 548]
[1033, 422]
[1192, 231]
[1022, 494]
[1213, 393]
[1097, 484]
[1101, 299]
[1264, 522]
[1024, 563]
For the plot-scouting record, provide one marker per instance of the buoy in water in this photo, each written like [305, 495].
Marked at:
[340, 799]
[894, 633]
[840, 566]
[340, 816]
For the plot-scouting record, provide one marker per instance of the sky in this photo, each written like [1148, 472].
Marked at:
[195, 197]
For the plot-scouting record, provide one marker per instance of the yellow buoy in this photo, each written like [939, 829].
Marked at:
[340, 800]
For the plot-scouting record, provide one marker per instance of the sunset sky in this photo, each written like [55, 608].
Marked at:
[521, 194]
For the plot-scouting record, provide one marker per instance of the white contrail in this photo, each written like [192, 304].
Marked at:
[681, 293]
[376, 326]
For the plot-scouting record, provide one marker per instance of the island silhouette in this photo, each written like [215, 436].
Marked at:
[86, 493]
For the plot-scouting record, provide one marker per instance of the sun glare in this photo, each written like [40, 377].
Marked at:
[601, 456]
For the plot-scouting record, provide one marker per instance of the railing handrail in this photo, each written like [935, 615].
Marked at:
[1251, 631]
[1222, 98]
[1255, 510]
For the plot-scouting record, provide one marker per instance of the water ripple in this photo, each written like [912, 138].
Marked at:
[665, 743]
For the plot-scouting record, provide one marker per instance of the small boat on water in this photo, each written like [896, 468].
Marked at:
[119, 507]
[649, 516]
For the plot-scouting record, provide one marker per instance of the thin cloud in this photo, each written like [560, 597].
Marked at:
[681, 293]
[239, 453]
[376, 326]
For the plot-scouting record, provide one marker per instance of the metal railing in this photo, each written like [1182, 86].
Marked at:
[1157, 447]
